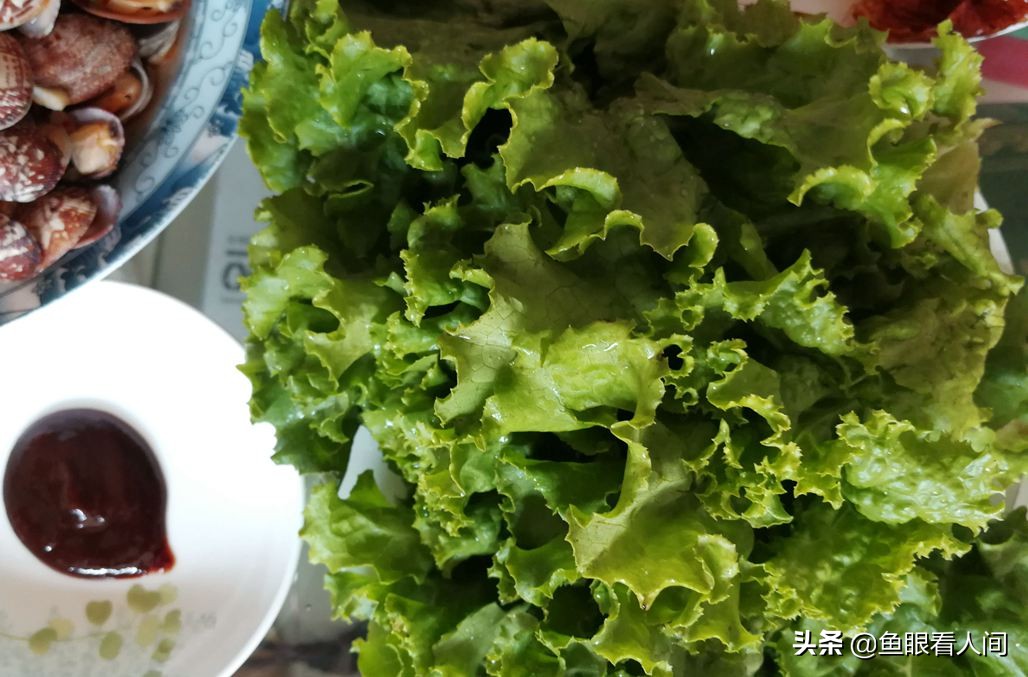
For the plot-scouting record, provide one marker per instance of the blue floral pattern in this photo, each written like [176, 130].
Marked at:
[186, 142]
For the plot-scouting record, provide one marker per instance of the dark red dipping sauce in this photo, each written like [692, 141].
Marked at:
[85, 494]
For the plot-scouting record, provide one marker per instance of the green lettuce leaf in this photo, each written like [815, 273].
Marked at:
[897, 473]
[675, 321]
[832, 553]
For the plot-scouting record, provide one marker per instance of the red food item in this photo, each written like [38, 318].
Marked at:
[85, 494]
[916, 20]
[984, 18]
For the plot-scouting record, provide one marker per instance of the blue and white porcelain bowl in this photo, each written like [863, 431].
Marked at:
[190, 132]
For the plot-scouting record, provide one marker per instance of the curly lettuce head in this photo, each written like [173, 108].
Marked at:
[676, 320]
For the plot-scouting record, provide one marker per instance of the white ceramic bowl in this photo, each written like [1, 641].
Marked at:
[232, 515]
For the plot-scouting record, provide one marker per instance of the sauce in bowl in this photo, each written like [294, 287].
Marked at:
[85, 494]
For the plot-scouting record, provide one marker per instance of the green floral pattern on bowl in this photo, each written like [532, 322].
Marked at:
[134, 635]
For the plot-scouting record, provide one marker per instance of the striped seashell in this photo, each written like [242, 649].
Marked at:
[15, 82]
[82, 57]
[20, 254]
[58, 221]
[15, 13]
[33, 159]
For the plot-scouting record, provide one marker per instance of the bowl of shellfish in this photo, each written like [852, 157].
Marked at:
[113, 114]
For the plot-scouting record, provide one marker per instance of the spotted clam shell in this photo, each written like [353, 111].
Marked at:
[59, 220]
[15, 82]
[82, 57]
[33, 158]
[14, 13]
[20, 253]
